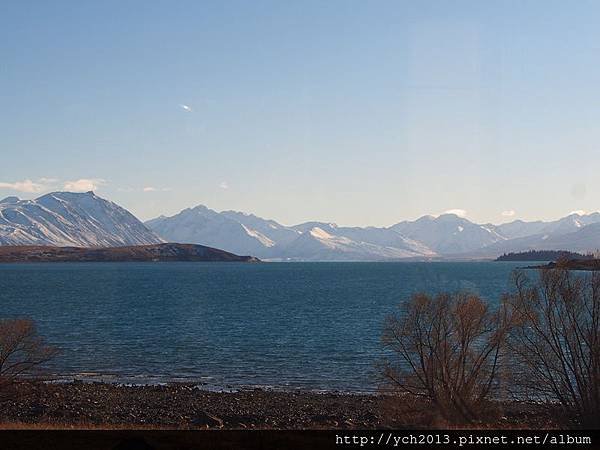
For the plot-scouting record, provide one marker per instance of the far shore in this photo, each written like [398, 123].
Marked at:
[79, 405]
[591, 265]
[165, 252]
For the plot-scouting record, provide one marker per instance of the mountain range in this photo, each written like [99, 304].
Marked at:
[444, 236]
[86, 220]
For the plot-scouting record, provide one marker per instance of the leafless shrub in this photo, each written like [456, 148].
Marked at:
[447, 349]
[555, 341]
[21, 351]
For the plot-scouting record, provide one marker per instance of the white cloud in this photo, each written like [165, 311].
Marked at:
[457, 211]
[508, 213]
[47, 184]
[24, 186]
[48, 180]
[224, 185]
[185, 107]
[84, 184]
[579, 212]
[155, 189]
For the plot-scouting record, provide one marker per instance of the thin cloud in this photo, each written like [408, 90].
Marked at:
[579, 212]
[155, 189]
[224, 185]
[24, 186]
[47, 184]
[48, 180]
[187, 108]
[508, 213]
[459, 212]
[84, 184]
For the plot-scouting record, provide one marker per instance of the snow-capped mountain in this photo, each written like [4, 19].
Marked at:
[448, 233]
[243, 233]
[585, 239]
[330, 241]
[239, 233]
[428, 237]
[277, 233]
[70, 219]
[86, 220]
[518, 228]
[317, 244]
[571, 223]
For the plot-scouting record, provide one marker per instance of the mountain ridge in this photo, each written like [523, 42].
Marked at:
[428, 237]
[70, 219]
[86, 220]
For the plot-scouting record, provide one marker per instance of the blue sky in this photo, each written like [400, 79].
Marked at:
[361, 113]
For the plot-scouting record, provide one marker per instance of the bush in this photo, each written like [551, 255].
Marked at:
[447, 349]
[555, 341]
[21, 351]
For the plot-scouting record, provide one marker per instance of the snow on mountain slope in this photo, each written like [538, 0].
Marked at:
[373, 242]
[385, 237]
[585, 239]
[307, 226]
[84, 219]
[571, 223]
[231, 231]
[518, 228]
[316, 244]
[70, 219]
[243, 233]
[276, 233]
[445, 236]
[448, 233]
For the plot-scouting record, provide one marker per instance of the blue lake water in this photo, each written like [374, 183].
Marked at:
[227, 325]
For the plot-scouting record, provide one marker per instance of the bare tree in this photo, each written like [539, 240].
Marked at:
[448, 350]
[555, 340]
[21, 351]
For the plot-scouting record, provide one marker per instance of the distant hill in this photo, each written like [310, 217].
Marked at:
[138, 253]
[542, 255]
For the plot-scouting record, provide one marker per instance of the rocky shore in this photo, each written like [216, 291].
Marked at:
[181, 406]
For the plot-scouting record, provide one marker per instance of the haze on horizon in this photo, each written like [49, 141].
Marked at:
[359, 113]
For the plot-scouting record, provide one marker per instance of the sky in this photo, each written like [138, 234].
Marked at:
[354, 112]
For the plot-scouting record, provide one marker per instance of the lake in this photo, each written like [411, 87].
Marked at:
[228, 325]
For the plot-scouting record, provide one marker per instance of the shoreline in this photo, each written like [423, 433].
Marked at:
[198, 383]
[587, 265]
[94, 405]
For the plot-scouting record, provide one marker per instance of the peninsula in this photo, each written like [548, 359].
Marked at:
[137, 253]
